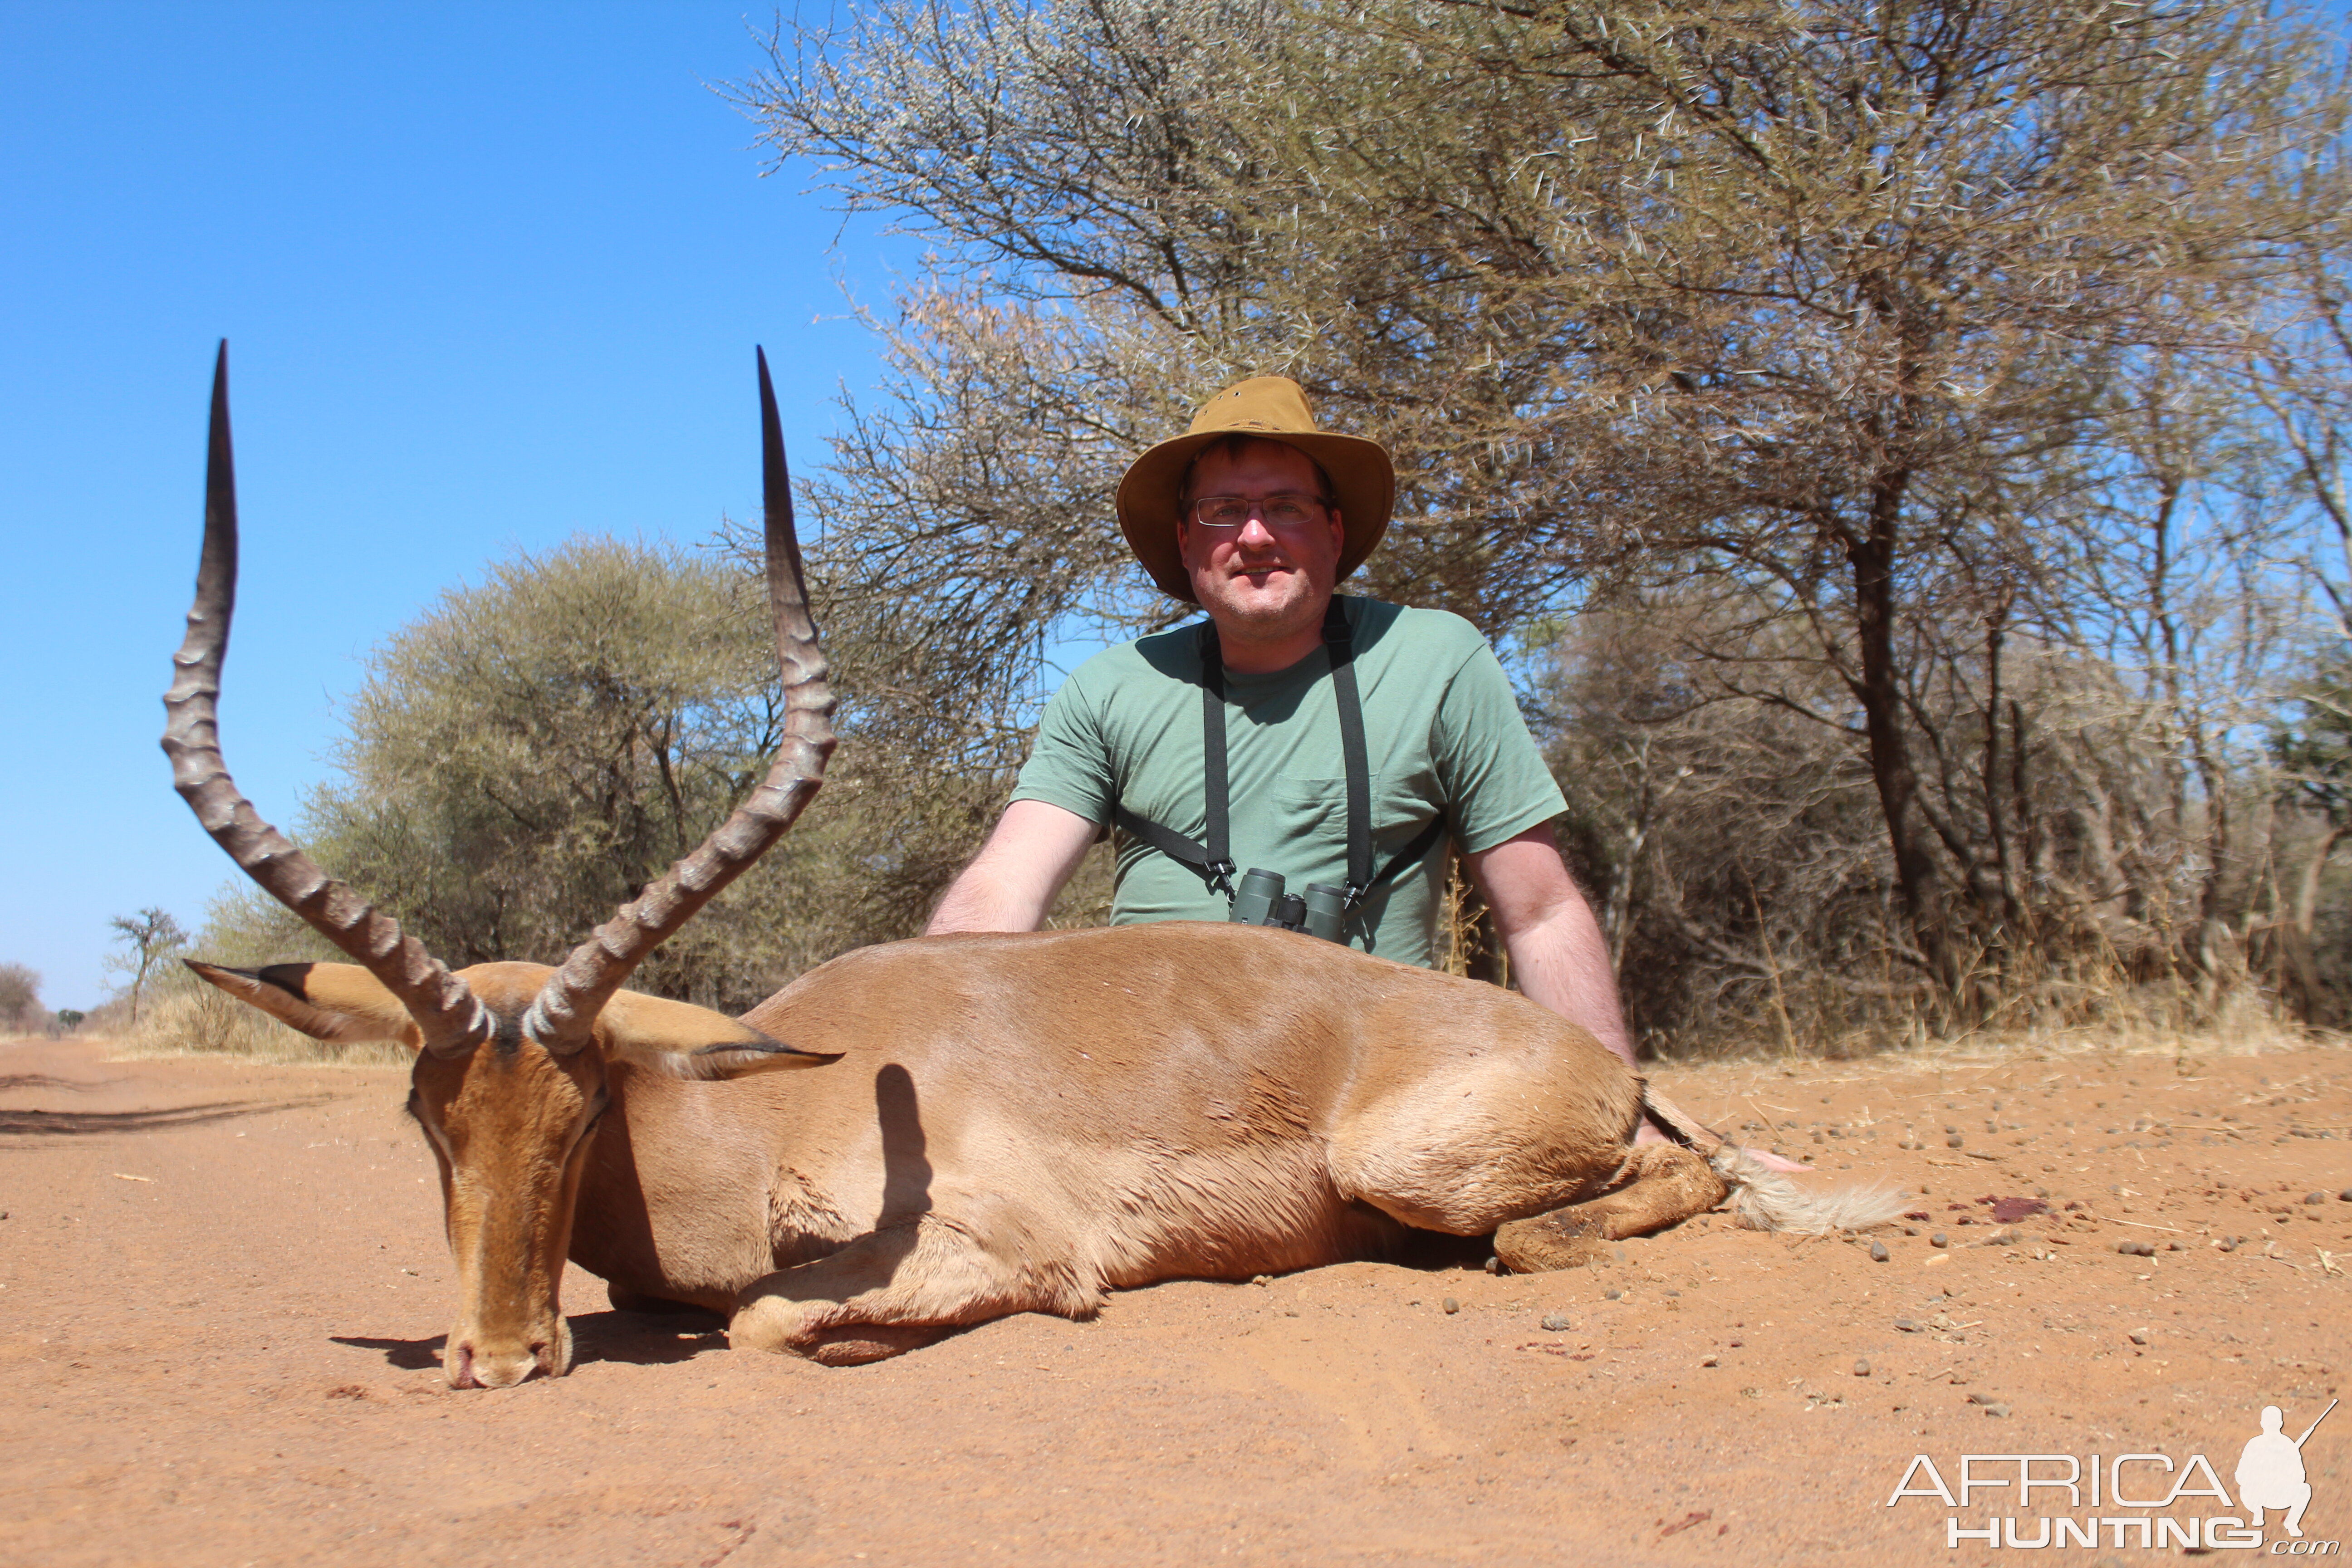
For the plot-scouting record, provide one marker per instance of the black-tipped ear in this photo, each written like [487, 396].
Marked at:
[337, 1002]
[687, 1041]
[741, 1059]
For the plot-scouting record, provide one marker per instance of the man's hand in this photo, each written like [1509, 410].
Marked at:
[1013, 881]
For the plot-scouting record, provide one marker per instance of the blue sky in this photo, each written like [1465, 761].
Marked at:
[491, 276]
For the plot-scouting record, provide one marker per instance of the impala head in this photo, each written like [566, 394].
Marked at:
[511, 1059]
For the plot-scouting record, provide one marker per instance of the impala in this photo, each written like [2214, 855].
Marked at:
[932, 1133]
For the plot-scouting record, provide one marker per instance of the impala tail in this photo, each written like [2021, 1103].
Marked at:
[1764, 1198]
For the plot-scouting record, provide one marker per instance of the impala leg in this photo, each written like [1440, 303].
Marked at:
[1660, 1185]
[889, 1291]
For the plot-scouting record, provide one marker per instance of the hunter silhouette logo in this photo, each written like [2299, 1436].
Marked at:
[2270, 1472]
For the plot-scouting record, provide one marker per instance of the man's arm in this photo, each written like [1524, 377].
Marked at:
[1011, 883]
[1558, 955]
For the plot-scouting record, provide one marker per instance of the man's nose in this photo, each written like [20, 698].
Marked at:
[1255, 534]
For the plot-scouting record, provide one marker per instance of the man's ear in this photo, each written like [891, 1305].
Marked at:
[338, 1002]
[686, 1041]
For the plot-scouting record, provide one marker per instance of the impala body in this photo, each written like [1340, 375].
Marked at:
[979, 1124]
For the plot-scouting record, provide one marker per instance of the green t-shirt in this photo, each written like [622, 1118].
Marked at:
[1441, 729]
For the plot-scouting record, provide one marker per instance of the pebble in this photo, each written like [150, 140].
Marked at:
[2135, 1249]
[1996, 1409]
[2314, 1198]
[1451, 1305]
[1493, 1265]
[1711, 1361]
[2345, 1196]
[1555, 1322]
[1954, 1141]
[1906, 1325]
[1614, 1294]
[1862, 1369]
[1939, 1240]
[1878, 1253]
[1262, 1279]
[2138, 1338]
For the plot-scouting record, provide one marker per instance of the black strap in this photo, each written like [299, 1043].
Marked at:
[1410, 853]
[1340, 644]
[1217, 856]
[1212, 862]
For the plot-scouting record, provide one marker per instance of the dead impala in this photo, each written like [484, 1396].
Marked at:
[999, 1124]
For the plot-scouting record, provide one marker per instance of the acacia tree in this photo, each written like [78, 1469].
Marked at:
[148, 938]
[1838, 319]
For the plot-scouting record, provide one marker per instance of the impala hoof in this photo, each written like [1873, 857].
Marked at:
[1549, 1241]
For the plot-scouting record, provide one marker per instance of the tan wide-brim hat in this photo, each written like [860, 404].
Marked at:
[1271, 407]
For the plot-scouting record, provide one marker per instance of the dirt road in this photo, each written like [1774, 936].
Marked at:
[222, 1288]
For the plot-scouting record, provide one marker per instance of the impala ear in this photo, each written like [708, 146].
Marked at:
[686, 1041]
[338, 1002]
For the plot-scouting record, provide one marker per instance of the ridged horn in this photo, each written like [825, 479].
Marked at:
[566, 1011]
[452, 1020]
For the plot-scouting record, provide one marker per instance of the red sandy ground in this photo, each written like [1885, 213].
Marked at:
[223, 1287]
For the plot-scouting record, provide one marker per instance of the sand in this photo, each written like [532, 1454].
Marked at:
[223, 1287]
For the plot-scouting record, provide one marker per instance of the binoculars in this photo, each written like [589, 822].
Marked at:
[1260, 902]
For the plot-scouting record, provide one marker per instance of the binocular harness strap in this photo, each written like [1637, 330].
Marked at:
[1212, 862]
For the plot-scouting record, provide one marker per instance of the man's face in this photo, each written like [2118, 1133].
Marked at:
[1269, 581]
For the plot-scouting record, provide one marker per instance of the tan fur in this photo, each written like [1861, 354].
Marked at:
[1013, 1123]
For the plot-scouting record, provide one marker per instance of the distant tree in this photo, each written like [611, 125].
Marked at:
[69, 1020]
[148, 938]
[529, 753]
[20, 997]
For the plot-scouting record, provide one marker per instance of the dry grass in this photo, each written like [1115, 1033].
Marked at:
[2246, 1031]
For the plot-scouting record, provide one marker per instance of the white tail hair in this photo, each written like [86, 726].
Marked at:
[1764, 1199]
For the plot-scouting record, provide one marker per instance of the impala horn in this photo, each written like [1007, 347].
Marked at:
[452, 1020]
[561, 1017]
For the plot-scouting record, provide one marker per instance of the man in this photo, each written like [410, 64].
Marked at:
[1257, 515]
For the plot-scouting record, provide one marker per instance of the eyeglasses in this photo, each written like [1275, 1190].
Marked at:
[1285, 508]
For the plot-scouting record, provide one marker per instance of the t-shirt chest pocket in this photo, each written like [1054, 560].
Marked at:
[1303, 805]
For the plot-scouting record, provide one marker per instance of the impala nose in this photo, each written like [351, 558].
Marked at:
[468, 1367]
